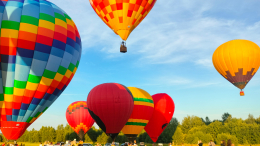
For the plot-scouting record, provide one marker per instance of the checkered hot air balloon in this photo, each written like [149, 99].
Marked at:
[122, 16]
[79, 118]
[142, 113]
[40, 50]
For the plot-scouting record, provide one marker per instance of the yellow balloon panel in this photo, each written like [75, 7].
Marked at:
[122, 16]
[237, 61]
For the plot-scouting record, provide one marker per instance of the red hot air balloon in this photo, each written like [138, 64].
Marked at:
[110, 105]
[163, 111]
[79, 118]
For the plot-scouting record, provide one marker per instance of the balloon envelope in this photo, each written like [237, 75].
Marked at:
[40, 50]
[163, 111]
[142, 113]
[237, 61]
[110, 105]
[122, 16]
[79, 118]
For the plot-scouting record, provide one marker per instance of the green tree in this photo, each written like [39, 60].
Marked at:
[88, 139]
[36, 137]
[93, 133]
[257, 120]
[215, 128]
[226, 137]
[178, 137]
[245, 142]
[237, 127]
[206, 121]
[190, 122]
[121, 138]
[250, 119]
[60, 133]
[103, 138]
[225, 117]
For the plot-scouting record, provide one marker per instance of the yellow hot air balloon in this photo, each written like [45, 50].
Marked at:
[237, 61]
[142, 113]
[122, 16]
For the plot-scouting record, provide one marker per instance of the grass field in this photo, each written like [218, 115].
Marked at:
[37, 144]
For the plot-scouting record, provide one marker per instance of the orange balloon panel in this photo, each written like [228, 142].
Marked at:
[122, 16]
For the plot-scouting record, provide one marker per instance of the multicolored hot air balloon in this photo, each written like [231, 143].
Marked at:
[237, 61]
[79, 118]
[163, 111]
[110, 105]
[40, 49]
[142, 113]
[122, 16]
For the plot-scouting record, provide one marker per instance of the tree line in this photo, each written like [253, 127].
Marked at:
[190, 130]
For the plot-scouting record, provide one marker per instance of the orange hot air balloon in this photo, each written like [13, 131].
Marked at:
[122, 16]
[79, 118]
[237, 61]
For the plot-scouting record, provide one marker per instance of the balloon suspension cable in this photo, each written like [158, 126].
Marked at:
[123, 48]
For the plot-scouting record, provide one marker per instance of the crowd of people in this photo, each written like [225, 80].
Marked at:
[11, 144]
[80, 143]
[211, 143]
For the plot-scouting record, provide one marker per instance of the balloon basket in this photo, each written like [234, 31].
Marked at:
[242, 93]
[123, 48]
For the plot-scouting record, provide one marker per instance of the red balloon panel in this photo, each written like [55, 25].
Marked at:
[110, 105]
[163, 111]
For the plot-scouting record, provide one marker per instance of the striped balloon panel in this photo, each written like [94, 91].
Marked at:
[142, 112]
[40, 51]
[122, 16]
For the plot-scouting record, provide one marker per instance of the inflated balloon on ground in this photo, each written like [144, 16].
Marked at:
[163, 111]
[79, 118]
[237, 61]
[40, 51]
[110, 105]
[142, 113]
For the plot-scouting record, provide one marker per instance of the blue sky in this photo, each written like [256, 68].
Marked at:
[169, 52]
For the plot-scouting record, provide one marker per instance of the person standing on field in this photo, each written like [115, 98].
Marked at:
[211, 143]
[229, 143]
[200, 143]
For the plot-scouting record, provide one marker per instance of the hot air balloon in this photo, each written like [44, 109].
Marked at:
[110, 105]
[122, 16]
[142, 113]
[40, 51]
[237, 61]
[79, 118]
[163, 111]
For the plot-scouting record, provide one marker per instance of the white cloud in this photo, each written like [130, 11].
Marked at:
[173, 32]
[204, 62]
